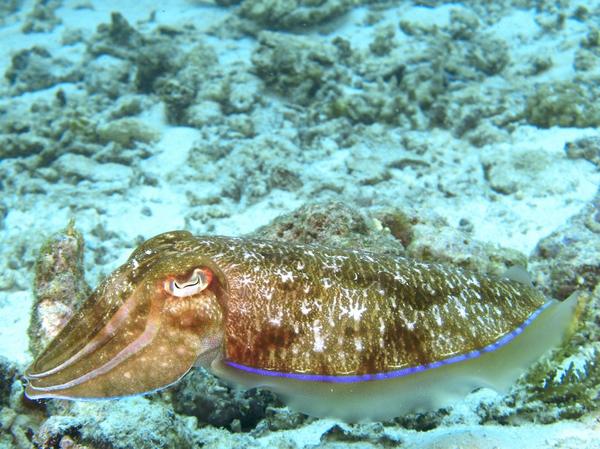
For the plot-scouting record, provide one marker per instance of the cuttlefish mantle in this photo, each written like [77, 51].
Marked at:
[338, 332]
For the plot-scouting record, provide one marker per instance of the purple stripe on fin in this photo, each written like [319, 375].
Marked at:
[398, 373]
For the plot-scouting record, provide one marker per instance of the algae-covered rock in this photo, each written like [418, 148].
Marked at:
[328, 223]
[434, 240]
[293, 14]
[154, 56]
[509, 170]
[384, 41]
[213, 402]
[16, 429]
[368, 434]
[126, 132]
[246, 171]
[195, 81]
[108, 76]
[117, 38]
[74, 168]
[294, 67]
[8, 373]
[587, 148]
[35, 69]
[568, 258]
[21, 146]
[59, 286]
[42, 18]
[566, 104]
[123, 424]
[8, 7]
[488, 55]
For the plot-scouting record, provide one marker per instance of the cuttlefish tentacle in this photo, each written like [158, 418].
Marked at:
[151, 329]
[98, 340]
[143, 340]
[324, 327]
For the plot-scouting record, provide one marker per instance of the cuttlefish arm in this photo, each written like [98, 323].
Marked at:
[324, 327]
[143, 328]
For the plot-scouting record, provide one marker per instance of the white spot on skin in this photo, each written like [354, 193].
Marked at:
[304, 308]
[246, 280]
[437, 316]
[326, 283]
[319, 342]
[287, 276]
[430, 289]
[354, 310]
[358, 344]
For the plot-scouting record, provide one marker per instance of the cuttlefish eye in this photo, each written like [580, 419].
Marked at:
[197, 282]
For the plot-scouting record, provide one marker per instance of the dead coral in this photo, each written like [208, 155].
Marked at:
[293, 14]
[35, 69]
[294, 67]
[59, 286]
[568, 258]
[210, 400]
[564, 104]
[132, 423]
[587, 148]
[42, 17]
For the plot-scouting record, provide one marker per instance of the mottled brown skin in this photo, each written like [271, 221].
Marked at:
[303, 309]
[312, 309]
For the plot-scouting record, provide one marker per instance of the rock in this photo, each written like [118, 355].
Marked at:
[568, 258]
[528, 170]
[564, 103]
[129, 423]
[327, 223]
[42, 17]
[294, 67]
[75, 168]
[210, 400]
[8, 373]
[21, 146]
[126, 132]
[252, 168]
[59, 286]
[292, 14]
[35, 69]
[587, 148]
[118, 38]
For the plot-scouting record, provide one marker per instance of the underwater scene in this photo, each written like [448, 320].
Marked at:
[298, 224]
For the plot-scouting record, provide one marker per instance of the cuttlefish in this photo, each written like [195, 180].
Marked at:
[338, 332]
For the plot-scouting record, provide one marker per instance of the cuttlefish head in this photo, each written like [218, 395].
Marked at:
[142, 329]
